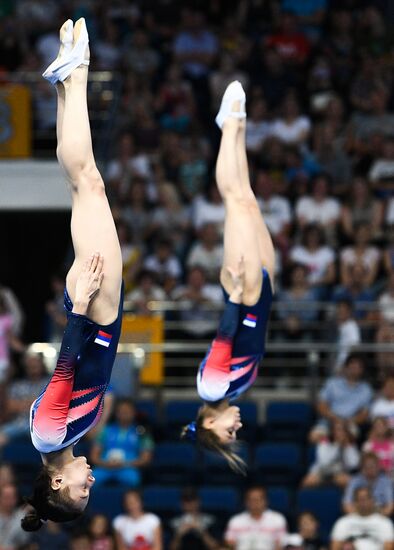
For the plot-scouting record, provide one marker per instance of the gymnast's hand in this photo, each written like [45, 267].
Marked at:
[88, 283]
[238, 279]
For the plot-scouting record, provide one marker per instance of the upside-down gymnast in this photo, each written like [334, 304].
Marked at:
[231, 364]
[72, 402]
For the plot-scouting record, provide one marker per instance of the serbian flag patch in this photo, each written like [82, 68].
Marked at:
[103, 338]
[250, 320]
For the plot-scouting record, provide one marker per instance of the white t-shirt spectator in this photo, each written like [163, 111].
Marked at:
[316, 261]
[257, 133]
[265, 533]
[386, 306]
[370, 256]
[368, 532]
[383, 407]
[210, 260]
[171, 267]
[143, 528]
[187, 43]
[322, 212]
[390, 212]
[290, 133]
[277, 213]
[349, 335]
[381, 169]
[208, 212]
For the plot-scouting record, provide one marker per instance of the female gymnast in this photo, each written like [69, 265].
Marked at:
[72, 402]
[231, 364]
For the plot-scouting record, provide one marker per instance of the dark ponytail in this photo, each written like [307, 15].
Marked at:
[47, 503]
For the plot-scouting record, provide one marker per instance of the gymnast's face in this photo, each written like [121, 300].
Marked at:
[225, 423]
[77, 477]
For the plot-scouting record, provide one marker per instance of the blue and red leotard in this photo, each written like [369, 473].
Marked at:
[72, 402]
[230, 367]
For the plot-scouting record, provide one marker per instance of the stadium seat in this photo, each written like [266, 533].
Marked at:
[147, 412]
[177, 415]
[279, 500]
[173, 463]
[163, 501]
[219, 500]
[325, 502]
[288, 420]
[106, 500]
[277, 463]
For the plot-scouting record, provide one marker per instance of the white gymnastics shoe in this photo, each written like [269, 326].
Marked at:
[234, 92]
[73, 51]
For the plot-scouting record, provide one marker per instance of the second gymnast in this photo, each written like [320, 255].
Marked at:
[231, 364]
[72, 402]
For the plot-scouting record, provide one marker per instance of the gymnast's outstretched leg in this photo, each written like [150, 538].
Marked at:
[92, 225]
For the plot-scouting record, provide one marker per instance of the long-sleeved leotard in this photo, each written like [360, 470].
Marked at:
[72, 402]
[230, 367]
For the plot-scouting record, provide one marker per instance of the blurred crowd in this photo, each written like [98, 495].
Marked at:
[320, 139]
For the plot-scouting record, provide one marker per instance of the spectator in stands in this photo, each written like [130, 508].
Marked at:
[80, 541]
[363, 526]
[137, 529]
[348, 334]
[381, 173]
[310, 14]
[193, 530]
[227, 72]
[55, 311]
[106, 49]
[380, 442]
[101, 533]
[332, 159]
[346, 396]
[363, 253]
[11, 534]
[361, 207]
[8, 340]
[163, 262]
[386, 301]
[317, 257]
[292, 45]
[122, 448]
[208, 208]
[7, 474]
[200, 316]
[308, 528]
[296, 305]
[319, 207]
[291, 128]
[146, 290]
[357, 292]
[52, 536]
[378, 482]
[258, 526]
[384, 359]
[276, 210]
[170, 218]
[140, 57]
[193, 170]
[337, 457]
[14, 307]
[383, 405]
[132, 254]
[20, 395]
[174, 103]
[207, 251]
[258, 128]
[136, 213]
[388, 254]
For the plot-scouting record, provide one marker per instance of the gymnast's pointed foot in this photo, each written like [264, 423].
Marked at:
[233, 104]
[73, 52]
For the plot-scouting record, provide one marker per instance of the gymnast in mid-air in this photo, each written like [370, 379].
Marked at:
[72, 402]
[230, 367]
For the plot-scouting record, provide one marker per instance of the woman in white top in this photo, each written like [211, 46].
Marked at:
[363, 253]
[336, 458]
[291, 128]
[137, 529]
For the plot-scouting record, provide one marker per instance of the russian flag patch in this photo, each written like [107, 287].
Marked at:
[103, 338]
[250, 320]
